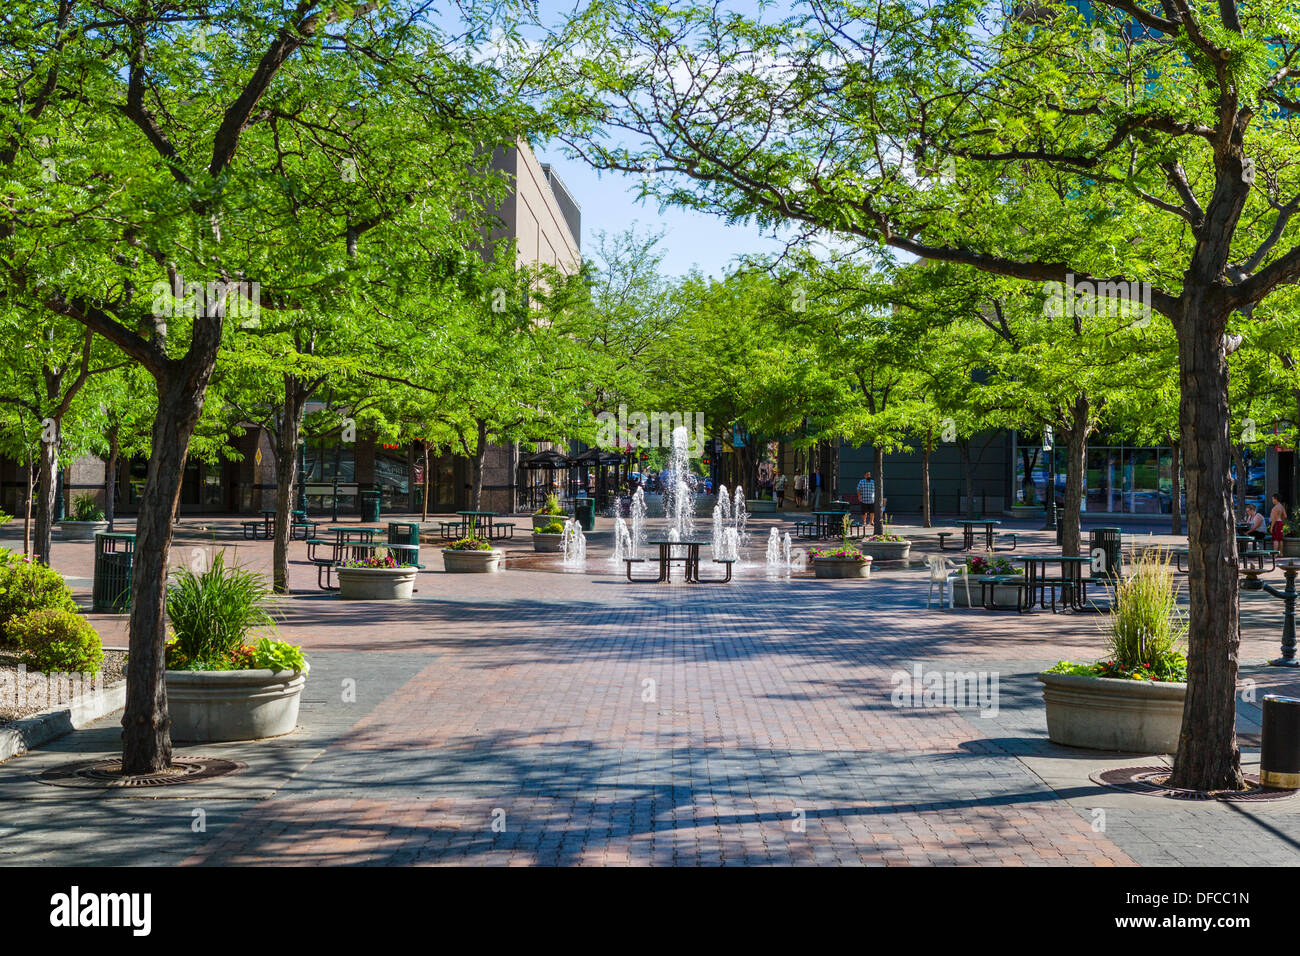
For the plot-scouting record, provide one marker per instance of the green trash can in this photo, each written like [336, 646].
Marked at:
[369, 505]
[111, 586]
[1105, 547]
[584, 510]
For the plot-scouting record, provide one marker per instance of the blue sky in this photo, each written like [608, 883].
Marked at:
[609, 202]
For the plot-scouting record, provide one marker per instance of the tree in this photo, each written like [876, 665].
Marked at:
[1147, 113]
[222, 157]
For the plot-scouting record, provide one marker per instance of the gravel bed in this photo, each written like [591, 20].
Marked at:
[39, 692]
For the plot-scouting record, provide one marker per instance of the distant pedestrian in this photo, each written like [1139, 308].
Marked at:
[816, 480]
[800, 489]
[1277, 521]
[778, 489]
[867, 495]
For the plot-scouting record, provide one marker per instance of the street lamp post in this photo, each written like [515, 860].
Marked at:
[1288, 596]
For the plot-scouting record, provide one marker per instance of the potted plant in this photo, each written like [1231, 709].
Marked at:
[886, 546]
[980, 568]
[549, 538]
[379, 577]
[219, 686]
[471, 555]
[1133, 700]
[1290, 537]
[549, 512]
[86, 518]
[845, 561]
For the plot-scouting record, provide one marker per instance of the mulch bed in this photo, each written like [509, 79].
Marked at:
[39, 692]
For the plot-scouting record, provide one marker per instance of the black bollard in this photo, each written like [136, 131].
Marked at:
[1279, 754]
[1288, 595]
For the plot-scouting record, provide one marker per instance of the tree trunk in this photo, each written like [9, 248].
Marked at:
[1241, 484]
[878, 475]
[286, 473]
[110, 475]
[926, 518]
[1175, 499]
[480, 457]
[49, 466]
[1075, 463]
[146, 743]
[1208, 757]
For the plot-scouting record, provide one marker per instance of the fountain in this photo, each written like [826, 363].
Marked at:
[638, 524]
[779, 561]
[739, 516]
[624, 543]
[729, 534]
[679, 499]
[574, 544]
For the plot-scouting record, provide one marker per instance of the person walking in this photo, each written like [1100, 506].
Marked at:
[816, 480]
[866, 496]
[1277, 521]
[800, 489]
[778, 489]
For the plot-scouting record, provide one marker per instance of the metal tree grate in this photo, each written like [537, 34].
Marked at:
[1153, 782]
[107, 774]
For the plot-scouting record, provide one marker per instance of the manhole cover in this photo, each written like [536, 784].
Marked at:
[1152, 781]
[107, 774]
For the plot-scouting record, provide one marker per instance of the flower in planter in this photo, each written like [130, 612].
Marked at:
[844, 552]
[469, 544]
[1144, 628]
[551, 506]
[978, 564]
[213, 613]
[382, 558]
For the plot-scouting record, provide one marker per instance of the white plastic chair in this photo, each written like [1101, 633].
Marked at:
[942, 572]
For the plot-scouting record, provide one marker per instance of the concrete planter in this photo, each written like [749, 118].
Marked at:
[1290, 547]
[472, 562]
[1105, 713]
[548, 543]
[80, 530]
[1004, 596]
[886, 550]
[376, 584]
[1025, 511]
[760, 506]
[841, 567]
[541, 521]
[210, 706]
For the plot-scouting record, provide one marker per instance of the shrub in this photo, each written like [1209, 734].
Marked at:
[1145, 626]
[86, 508]
[279, 656]
[555, 527]
[54, 639]
[212, 613]
[552, 506]
[469, 544]
[28, 586]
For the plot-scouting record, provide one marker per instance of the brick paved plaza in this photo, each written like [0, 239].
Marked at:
[539, 717]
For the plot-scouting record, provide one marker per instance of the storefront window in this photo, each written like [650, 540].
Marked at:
[1117, 479]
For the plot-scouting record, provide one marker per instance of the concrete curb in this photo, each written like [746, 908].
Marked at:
[31, 732]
